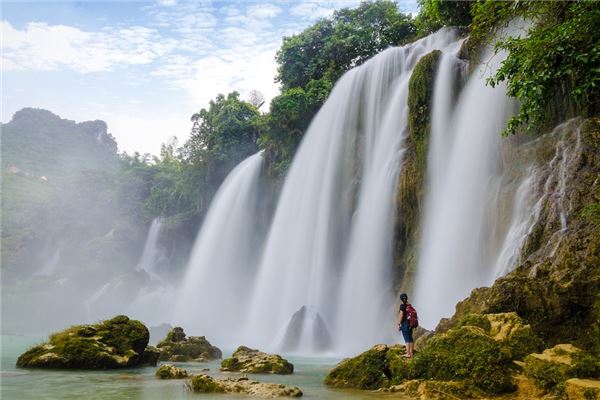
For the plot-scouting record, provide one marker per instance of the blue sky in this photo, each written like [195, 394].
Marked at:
[145, 67]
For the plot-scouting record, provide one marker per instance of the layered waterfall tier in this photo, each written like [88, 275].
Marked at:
[321, 277]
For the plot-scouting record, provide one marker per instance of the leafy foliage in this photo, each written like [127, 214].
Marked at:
[434, 14]
[310, 63]
[560, 54]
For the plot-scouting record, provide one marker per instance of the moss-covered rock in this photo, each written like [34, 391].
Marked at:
[466, 354]
[368, 370]
[410, 190]
[509, 329]
[553, 367]
[114, 343]
[176, 347]
[207, 384]
[252, 361]
[587, 389]
[150, 356]
[168, 371]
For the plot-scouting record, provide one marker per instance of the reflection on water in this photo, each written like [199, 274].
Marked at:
[140, 384]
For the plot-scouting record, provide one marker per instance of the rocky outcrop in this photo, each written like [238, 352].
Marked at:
[472, 359]
[409, 197]
[253, 361]
[553, 367]
[369, 370]
[115, 343]
[168, 371]
[582, 389]
[177, 347]
[207, 384]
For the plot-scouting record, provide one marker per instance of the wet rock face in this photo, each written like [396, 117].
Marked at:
[177, 347]
[555, 287]
[168, 371]
[249, 360]
[115, 343]
[207, 384]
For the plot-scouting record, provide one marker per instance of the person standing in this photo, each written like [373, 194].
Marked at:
[404, 326]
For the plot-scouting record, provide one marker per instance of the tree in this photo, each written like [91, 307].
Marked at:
[256, 98]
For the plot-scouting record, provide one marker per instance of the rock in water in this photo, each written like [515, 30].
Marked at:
[169, 371]
[308, 325]
[251, 361]
[177, 347]
[114, 343]
[207, 384]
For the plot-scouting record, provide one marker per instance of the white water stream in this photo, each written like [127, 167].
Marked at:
[322, 278]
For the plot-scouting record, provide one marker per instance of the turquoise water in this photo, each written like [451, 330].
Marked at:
[140, 383]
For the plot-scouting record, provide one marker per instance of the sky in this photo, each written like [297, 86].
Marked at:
[145, 67]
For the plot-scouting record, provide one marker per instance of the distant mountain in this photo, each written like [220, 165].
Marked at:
[40, 143]
[44, 159]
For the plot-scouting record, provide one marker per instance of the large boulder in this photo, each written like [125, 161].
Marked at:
[368, 370]
[553, 367]
[207, 384]
[115, 343]
[251, 361]
[509, 329]
[582, 389]
[465, 354]
[168, 371]
[176, 347]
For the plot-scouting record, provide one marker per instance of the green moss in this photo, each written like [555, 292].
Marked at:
[478, 320]
[116, 343]
[369, 370]
[205, 384]
[170, 372]
[177, 347]
[468, 354]
[252, 361]
[410, 182]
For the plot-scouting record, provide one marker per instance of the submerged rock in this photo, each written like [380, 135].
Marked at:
[114, 343]
[310, 325]
[168, 371]
[177, 347]
[249, 360]
[207, 384]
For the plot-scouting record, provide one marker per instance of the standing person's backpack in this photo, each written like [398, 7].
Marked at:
[411, 316]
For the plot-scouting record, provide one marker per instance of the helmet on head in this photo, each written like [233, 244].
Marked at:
[403, 297]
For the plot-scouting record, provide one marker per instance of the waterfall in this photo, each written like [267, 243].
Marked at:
[321, 277]
[329, 247]
[214, 295]
[150, 253]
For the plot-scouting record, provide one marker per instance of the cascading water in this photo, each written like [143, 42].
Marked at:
[465, 242]
[214, 296]
[323, 280]
[335, 215]
[150, 253]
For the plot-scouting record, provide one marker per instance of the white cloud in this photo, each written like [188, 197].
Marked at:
[40, 46]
